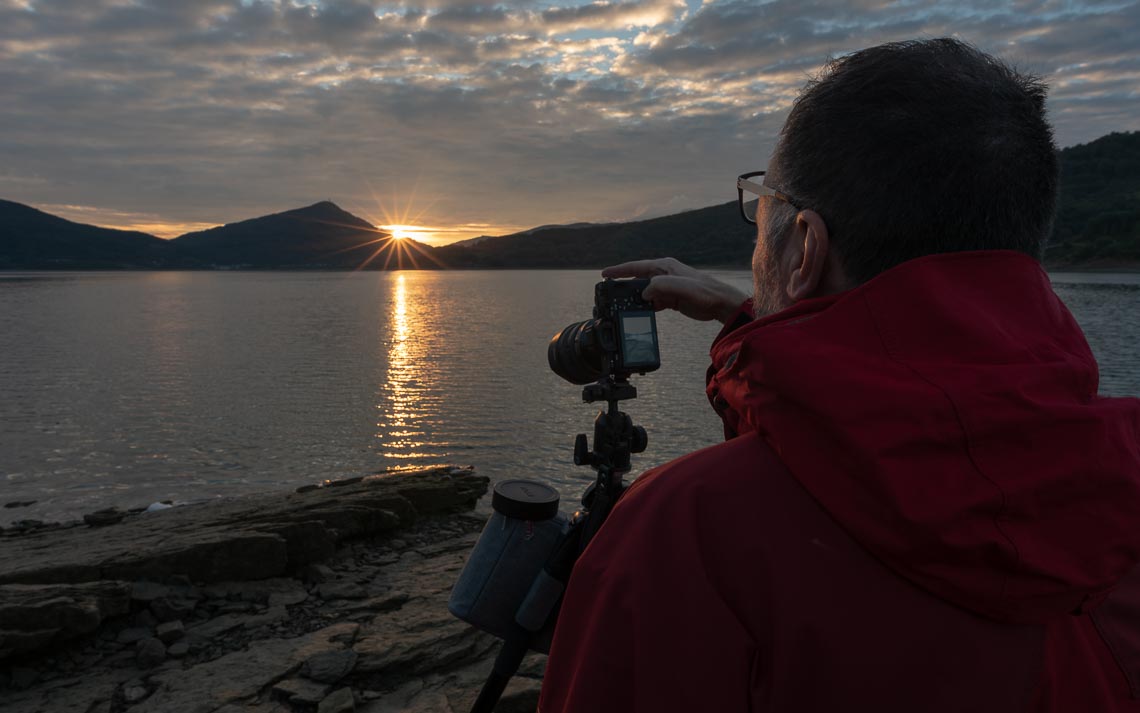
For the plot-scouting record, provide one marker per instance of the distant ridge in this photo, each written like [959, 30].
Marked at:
[1098, 210]
[319, 235]
[707, 236]
[1098, 226]
[31, 239]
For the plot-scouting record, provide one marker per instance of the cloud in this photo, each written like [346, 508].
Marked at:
[498, 112]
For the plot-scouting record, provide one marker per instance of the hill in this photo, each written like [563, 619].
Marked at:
[1098, 210]
[1098, 225]
[319, 235]
[31, 239]
[707, 236]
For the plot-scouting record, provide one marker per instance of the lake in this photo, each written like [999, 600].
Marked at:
[135, 387]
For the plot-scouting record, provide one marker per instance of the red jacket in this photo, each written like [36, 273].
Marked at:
[923, 506]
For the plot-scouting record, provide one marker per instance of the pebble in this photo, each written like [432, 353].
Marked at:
[134, 692]
[144, 619]
[102, 518]
[134, 634]
[329, 666]
[317, 573]
[339, 701]
[178, 649]
[341, 590]
[171, 608]
[150, 652]
[288, 598]
[170, 631]
[301, 692]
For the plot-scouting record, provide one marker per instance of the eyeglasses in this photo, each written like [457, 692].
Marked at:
[759, 189]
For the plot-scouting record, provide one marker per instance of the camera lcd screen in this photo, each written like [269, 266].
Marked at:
[639, 340]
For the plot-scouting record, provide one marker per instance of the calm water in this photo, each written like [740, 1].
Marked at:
[127, 388]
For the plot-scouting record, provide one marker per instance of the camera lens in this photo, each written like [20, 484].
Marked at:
[576, 353]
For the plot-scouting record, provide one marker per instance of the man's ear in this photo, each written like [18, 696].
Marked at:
[806, 257]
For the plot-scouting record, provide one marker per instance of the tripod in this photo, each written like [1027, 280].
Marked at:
[615, 439]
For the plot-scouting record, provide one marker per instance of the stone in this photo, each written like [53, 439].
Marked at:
[420, 641]
[233, 539]
[520, 696]
[178, 649]
[19, 503]
[102, 518]
[341, 590]
[339, 701]
[301, 691]
[316, 574]
[134, 635]
[216, 627]
[288, 598]
[150, 652]
[236, 676]
[329, 666]
[134, 692]
[147, 592]
[144, 619]
[272, 615]
[421, 702]
[171, 608]
[170, 631]
[36, 616]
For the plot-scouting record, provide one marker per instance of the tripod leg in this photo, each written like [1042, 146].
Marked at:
[506, 665]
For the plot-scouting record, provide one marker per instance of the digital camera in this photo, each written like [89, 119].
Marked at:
[619, 341]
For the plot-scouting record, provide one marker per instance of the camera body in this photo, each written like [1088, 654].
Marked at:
[619, 341]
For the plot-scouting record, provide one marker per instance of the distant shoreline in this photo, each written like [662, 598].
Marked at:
[1125, 267]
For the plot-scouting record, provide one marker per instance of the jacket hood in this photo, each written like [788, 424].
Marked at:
[946, 415]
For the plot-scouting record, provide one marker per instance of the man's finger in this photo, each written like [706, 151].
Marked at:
[640, 268]
[669, 291]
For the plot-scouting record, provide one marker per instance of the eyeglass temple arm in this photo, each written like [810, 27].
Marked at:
[757, 188]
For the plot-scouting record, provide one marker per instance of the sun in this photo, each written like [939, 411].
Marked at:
[402, 232]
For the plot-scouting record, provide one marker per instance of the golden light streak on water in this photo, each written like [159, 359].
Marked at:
[398, 426]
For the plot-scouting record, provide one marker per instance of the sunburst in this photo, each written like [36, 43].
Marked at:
[396, 233]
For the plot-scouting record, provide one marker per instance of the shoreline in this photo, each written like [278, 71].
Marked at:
[1123, 267]
[332, 600]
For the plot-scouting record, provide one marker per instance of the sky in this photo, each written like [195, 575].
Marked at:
[468, 117]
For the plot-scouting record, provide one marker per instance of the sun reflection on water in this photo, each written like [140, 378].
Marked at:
[400, 428]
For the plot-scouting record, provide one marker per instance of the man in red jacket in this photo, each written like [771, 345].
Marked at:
[922, 504]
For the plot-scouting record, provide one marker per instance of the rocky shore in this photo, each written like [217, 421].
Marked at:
[330, 600]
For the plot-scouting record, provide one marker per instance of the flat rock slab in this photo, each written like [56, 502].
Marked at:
[244, 538]
[34, 617]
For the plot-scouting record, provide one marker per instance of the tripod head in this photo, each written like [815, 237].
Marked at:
[615, 439]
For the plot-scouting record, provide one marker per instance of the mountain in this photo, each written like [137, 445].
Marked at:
[1098, 210]
[707, 236]
[31, 239]
[320, 235]
[1098, 225]
[482, 238]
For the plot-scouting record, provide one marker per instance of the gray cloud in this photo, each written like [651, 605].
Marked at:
[540, 111]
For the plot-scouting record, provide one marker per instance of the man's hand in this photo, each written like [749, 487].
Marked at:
[675, 285]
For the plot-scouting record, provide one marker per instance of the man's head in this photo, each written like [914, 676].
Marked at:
[898, 151]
